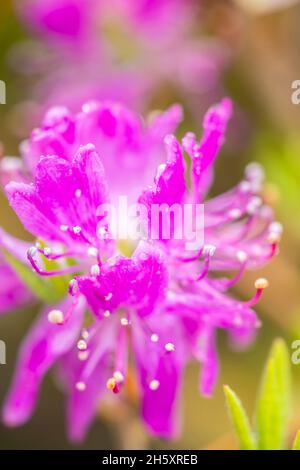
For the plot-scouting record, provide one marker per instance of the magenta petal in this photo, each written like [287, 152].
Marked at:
[138, 282]
[44, 344]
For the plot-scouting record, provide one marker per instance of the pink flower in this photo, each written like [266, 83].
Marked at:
[13, 293]
[167, 297]
[124, 51]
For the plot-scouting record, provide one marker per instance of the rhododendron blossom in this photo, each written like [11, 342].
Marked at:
[155, 298]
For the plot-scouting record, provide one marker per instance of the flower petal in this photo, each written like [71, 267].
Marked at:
[45, 343]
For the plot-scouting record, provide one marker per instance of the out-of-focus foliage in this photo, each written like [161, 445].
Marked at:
[273, 405]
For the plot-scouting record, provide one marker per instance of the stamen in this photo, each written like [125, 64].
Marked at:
[92, 252]
[31, 253]
[47, 251]
[78, 193]
[208, 251]
[81, 345]
[85, 334]
[73, 287]
[241, 256]
[191, 258]
[106, 314]
[235, 213]
[108, 296]
[56, 317]
[76, 229]
[261, 283]
[119, 376]
[80, 386]
[112, 385]
[274, 238]
[254, 205]
[124, 321]
[64, 228]
[276, 227]
[95, 270]
[83, 355]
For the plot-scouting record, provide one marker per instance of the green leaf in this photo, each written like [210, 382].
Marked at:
[273, 401]
[296, 444]
[41, 287]
[239, 420]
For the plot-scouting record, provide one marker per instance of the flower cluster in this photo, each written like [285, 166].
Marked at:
[159, 48]
[157, 299]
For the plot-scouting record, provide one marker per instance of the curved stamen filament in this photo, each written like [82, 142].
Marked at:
[60, 272]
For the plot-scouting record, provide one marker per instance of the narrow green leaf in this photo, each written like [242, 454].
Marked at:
[273, 401]
[239, 420]
[296, 444]
[41, 287]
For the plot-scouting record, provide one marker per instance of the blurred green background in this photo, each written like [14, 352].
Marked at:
[264, 61]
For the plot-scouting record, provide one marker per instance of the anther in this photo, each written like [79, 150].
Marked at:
[73, 287]
[95, 270]
[154, 338]
[154, 385]
[56, 317]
